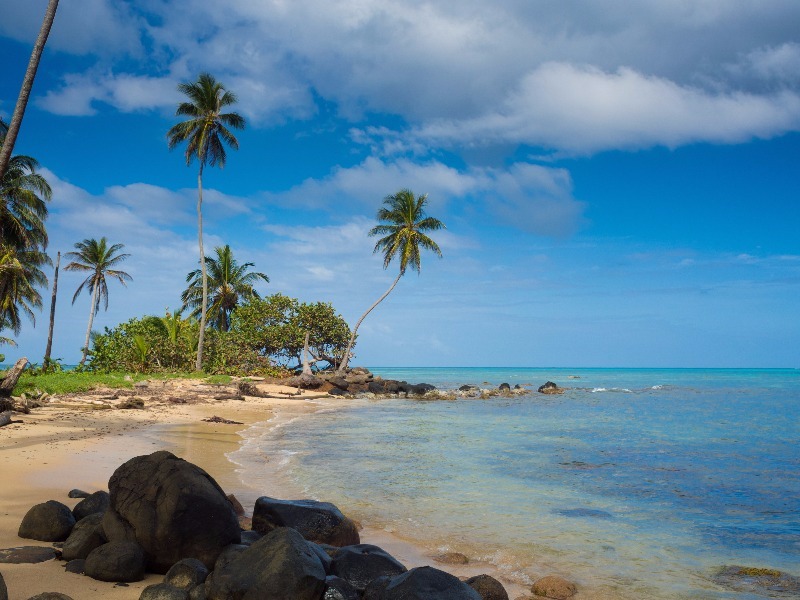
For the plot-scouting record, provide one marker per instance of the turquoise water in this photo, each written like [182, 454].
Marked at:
[636, 483]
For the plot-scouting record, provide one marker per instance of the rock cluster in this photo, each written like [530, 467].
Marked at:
[165, 515]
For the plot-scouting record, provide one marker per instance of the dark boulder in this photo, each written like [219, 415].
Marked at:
[228, 555]
[94, 503]
[425, 583]
[362, 563]
[339, 382]
[376, 588]
[171, 508]
[391, 386]
[76, 493]
[85, 537]
[281, 565]
[116, 561]
[319, 522]
[322, 554]
[487, 587]
[504, 387]
[377, 387]
[198, 592]
[49, 521]
[163, 591]
[337, 392]
[550, 388]
[186, 574]
[3, 588]
[420, 389]
[22, 555]
[50, 596]
[250, 536]
[338, 589]
[357, 388]
[305, 382]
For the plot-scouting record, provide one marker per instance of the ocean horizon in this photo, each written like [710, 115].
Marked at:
[634, 482]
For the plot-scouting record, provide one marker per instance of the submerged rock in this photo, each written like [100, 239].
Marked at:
[765, 582]
[553, 586]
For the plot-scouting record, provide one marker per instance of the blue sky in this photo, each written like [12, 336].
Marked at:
[619, 181]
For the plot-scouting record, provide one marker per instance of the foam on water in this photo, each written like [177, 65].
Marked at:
[638, 493]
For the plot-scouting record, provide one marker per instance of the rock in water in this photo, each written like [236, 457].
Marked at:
[319, 522]
[553, 586]
[281, 565]
[488, 587]
[550, 388]
[49, 521]
[172, 509]
[362, 563]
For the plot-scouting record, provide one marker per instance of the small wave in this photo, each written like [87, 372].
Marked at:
[657, 387]
[614, 389]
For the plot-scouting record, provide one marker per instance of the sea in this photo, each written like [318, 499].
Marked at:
[635, 483]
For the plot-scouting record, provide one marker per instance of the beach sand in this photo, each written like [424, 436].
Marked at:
[79, 442]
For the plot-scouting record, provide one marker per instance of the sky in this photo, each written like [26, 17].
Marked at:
[619, 180]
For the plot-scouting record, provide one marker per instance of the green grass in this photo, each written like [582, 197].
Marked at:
[68, 382]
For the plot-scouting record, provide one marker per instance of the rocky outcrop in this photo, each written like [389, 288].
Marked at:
[116, 561]
[550, 388]
[319, 522]
[49, 521]
[171, 508]
[279, 565]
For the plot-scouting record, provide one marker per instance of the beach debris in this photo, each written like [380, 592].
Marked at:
[279, 565]
[49, 521]
[27, 555]
[319, 522]
[553, 586]
[488, 587]
[184, 514]
[550, 388]
[216, 419]
[9, 381]
[116, 561]
[85, 537]
[426, 582]
[451, 558]
[360, 564]
[131, 403]
[5, 418]
[93, 503]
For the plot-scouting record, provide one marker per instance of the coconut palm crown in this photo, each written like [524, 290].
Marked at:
[98, 259]
[228, 282]
[20, 276]
[206, 132]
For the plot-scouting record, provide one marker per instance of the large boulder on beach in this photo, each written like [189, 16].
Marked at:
[116, 561]
[186, 574]
[553, 586]
[487, 587]
[362, 563]
[85, 537]
[172, 509]
[93, 503]
[49, 521]
[279, 565]
[3, 588]
[337, 588]
[319, 522]
[163, 591]
[424, 583]
[50, 596]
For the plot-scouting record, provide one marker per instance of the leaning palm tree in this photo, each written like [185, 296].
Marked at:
[205, 131]
[20, 276]
[27, 84]
[228, 282]
[98, 259]
[403, 226]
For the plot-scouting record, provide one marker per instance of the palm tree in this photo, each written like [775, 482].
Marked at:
[205, 131]
[403, 226]
[20, 275]
[23, 202]
[98, 259]
[228, 282]
[27, 84]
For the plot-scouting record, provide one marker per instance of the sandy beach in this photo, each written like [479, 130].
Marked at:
[78, 442]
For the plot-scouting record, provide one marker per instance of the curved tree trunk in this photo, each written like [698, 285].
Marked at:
[27, 84]
[346, 358]
[47, 350]
[198, 366]
[91, 320]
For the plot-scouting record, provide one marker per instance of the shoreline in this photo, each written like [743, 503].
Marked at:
[70, 445]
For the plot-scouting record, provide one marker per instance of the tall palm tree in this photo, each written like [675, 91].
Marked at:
[98, 259]
[403, 225]
[206, 133]
[23, 202]
[228, 281]
[27, 84]
[20, 275]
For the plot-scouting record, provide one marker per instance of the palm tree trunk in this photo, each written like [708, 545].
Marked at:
[346, 358]
[91, 320]
[27, 84]
[52, 316]
[204, 306]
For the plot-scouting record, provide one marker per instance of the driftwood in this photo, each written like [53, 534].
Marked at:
[8, 382]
